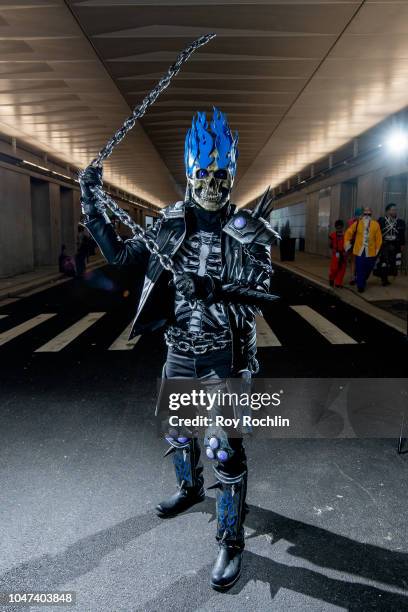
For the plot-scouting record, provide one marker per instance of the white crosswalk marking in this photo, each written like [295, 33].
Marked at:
[264, 335]
[122, 343]
[12, 333]
[69, 334]
[330, 331]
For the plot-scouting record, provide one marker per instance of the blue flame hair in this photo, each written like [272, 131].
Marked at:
[205, 144]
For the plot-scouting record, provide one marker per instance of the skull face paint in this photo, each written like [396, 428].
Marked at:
[210, 157]
[210, 188]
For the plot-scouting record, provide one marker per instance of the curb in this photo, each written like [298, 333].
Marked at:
[349, 297]
[53, 278]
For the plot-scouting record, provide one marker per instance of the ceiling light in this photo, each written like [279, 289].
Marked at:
[397, 142]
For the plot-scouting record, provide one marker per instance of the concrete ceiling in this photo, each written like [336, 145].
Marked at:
[56, 94]
[297, 78]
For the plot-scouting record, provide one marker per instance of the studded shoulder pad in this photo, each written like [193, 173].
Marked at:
[246, 230]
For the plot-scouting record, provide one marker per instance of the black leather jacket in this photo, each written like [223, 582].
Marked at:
[245, 253]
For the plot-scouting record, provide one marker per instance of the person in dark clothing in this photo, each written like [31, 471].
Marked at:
[393, 234]
[209, 244]
[66, 263]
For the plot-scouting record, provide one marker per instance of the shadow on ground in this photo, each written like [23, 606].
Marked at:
[312, 544]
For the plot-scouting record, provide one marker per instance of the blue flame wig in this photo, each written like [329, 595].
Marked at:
[205, 144]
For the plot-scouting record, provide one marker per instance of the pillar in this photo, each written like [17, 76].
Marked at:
[16, 247]
[68, 218]
[46, 222]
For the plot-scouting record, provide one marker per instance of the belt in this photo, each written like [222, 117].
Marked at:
[196, 342]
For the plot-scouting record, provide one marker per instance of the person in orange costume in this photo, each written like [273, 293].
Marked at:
[338, 261]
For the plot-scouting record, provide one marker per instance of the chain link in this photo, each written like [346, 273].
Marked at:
[266, 267]
[196, 342]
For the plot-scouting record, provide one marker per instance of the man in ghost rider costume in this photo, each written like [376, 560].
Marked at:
[211, 245]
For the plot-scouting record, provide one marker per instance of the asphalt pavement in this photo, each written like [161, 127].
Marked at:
[81, 465]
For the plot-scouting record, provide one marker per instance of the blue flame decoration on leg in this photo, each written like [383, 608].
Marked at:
[182, 464]
[206, 144]
[228, 513]
[231, 508]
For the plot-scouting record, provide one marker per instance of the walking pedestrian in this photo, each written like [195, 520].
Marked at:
[364, 238]
[338, 261]
[393, 235]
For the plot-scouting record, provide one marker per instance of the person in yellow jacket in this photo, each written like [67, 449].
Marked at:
[365, 238]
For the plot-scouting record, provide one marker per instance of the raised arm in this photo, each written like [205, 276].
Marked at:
[115, 250]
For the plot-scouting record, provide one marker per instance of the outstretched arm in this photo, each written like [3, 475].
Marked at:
[115, 250]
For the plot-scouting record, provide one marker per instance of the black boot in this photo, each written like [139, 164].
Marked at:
[231, 511]
[190, 481]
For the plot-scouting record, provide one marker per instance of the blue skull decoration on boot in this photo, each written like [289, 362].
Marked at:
[210, 157]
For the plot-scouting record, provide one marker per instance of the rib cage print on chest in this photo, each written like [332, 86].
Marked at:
[200, 254]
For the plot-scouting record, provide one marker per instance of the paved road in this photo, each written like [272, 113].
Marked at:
[80, 465]
[310, 333]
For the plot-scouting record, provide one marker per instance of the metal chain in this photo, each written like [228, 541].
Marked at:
[140, 110]
[266, 267]
[103, 200]
[196, 342]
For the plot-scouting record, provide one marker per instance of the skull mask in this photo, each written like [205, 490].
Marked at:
[210, 188]
[210, 159]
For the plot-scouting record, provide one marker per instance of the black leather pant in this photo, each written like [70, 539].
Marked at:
[212, 366]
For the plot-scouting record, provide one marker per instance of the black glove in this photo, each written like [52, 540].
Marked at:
[91, 177]
[194, 287]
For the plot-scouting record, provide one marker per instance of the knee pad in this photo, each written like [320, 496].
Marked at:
[216, 445]
[176, 438]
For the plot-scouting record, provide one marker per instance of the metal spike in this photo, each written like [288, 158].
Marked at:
[216, 485]
[262, 205]
[169, 451]
[268, 209]
[250, 275]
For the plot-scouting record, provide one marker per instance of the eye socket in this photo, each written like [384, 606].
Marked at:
[221, 174]
[202, 173]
